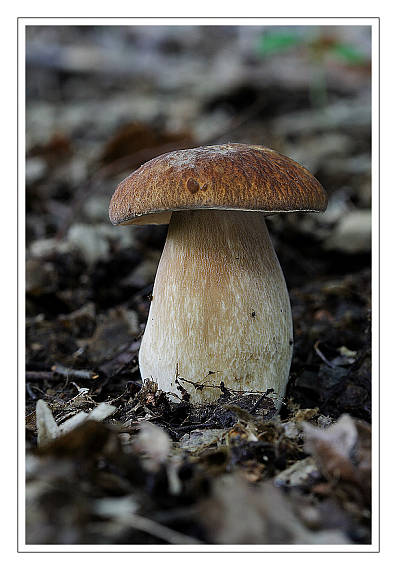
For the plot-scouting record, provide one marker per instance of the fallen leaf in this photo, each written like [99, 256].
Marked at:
[342, 451]
[299, 474]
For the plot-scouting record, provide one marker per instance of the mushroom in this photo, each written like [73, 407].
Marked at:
[220, 315]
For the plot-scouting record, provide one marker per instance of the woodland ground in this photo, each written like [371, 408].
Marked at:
[100, 102]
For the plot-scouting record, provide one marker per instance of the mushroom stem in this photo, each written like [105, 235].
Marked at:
[220, 310]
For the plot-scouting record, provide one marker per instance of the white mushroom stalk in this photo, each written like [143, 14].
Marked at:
[220, 311]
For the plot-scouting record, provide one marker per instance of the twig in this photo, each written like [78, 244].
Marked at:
[260, 400]
[199, 386]
[33, 376]
[191, 427]
[31, 393]
[321, 355]
[83, 374]
[221, 387]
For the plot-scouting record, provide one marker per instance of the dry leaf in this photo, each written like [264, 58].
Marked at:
[342, 451]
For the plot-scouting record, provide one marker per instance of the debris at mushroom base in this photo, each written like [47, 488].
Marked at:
[186, 487]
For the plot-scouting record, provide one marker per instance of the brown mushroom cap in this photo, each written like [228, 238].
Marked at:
[225, 177]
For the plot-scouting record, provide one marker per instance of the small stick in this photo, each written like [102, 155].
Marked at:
[34, 376]
[190, 427]
[84, 374]
[260, 400]
[222, 388]
[321, 355]
[29, 390]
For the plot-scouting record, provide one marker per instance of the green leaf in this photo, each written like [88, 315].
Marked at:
[276, 42]
[349, 53]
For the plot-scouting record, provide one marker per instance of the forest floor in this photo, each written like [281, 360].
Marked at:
[117, 461]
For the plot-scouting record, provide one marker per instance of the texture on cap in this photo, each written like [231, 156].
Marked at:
[228, 177]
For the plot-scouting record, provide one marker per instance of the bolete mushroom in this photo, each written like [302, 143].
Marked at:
[220, 311]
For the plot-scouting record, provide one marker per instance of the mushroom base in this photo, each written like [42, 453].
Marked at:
[220, 311]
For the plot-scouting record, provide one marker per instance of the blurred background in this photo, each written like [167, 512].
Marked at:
[100, 101]
[103, 100]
